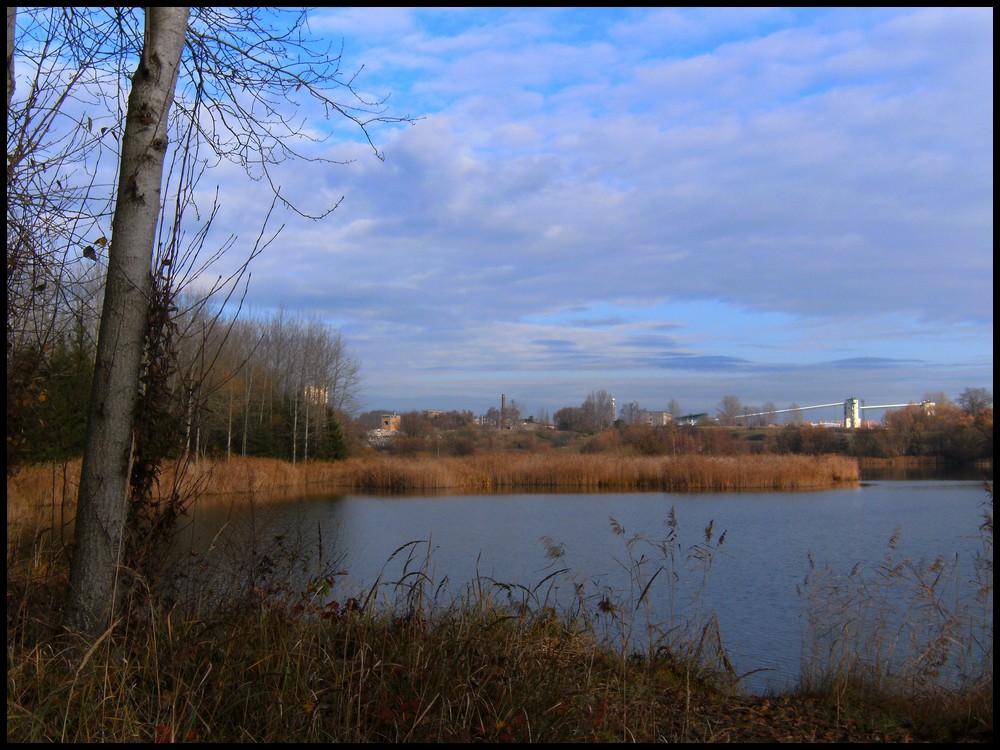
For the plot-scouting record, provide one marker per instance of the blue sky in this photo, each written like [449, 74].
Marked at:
[785, 205]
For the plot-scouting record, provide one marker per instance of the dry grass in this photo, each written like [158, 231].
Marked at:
[485, 667]
[474, 674]
[44, 495]
[503, 472]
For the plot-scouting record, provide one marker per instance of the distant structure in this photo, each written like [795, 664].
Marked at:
[692, 419]
[658, 418]
[392, 422]
[317, 394]
[852, 411]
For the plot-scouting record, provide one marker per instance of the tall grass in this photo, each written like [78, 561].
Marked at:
[38, 496]
[594, 472]
[903, 629]
[400, 661]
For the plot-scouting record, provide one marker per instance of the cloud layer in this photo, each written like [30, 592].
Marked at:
[785, 205]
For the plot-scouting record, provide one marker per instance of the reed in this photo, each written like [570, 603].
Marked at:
[898, 631]
[44, 495]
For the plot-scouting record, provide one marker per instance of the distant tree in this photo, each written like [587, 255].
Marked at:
[453, 420]
[974, 401]
[794, 414]
[729, 409]
[674, 408]
[598, 411]
[569, 419]
[513, 416]
[768, 417]
[371, 420]
[632, 413]
[416, 424]
[491, 418]
[938, 398]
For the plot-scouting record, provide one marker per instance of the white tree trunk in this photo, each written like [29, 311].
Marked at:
[11, 24]
[104, 482]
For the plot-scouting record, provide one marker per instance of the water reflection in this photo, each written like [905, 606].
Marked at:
[611, 545]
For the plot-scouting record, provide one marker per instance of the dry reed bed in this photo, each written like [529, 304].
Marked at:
[581, 472]
[46, 494]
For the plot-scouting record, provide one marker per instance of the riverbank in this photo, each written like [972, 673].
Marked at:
[48, 492]
[294, 667]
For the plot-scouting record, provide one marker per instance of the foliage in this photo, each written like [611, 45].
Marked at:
[51, 423]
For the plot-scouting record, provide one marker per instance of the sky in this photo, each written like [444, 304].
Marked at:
[789, 206]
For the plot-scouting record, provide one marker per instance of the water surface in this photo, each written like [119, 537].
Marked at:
[753, 581]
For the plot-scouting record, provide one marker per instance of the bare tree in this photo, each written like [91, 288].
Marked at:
[492, 418]
[768, 416]
[674, 408]
[104, 480]
[975, 401]
[598, 411]
[794, 415]
[729, 409]
[938, 398]
[52, 205]
[242, 63]
[632, 413]
[513, 415]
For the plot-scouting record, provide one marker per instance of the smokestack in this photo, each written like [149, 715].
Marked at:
[503, 410]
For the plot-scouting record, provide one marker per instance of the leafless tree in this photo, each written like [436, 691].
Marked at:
[975, 401]
[729, 409]
[248, 65]
[56, 202]
[674, 408]
[105, 476]
[598, 411]
[768, 417]
[632, 413]
[794, 415]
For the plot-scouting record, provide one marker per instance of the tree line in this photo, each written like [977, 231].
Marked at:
[277, 385]
[958, 432]
[118, 115]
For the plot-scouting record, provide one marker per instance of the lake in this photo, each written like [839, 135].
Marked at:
[594, 554]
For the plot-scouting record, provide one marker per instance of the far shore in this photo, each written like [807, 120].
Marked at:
[39, 493]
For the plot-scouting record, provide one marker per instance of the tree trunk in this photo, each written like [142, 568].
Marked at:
[11, 25]
[104, 481]
[246, 411]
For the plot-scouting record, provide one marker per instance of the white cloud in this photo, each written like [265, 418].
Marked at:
[793, 171]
